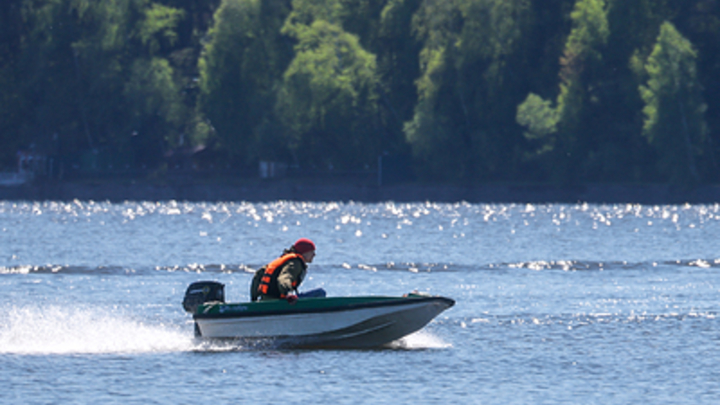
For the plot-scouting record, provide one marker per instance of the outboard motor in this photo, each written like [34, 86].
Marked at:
[201, 292]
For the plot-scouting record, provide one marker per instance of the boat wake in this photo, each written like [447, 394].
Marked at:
[420, 340]
[61, 330]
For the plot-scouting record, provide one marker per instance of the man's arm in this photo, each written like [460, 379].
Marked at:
[289, 277]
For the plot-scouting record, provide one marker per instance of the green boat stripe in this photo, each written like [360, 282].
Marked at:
[310, 305]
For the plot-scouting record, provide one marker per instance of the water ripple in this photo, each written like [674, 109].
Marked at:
[212, 268]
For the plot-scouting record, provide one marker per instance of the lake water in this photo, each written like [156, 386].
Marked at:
[574, 304]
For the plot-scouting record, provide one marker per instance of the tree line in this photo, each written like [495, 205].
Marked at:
[561, 91]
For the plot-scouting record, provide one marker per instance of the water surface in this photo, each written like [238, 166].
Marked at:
[555, 303]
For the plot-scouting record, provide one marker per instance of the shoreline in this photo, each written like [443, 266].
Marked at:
[274, 190]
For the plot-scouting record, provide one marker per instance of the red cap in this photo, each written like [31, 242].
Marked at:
[304, 245]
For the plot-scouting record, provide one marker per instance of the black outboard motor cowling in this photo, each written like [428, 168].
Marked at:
[201, 292]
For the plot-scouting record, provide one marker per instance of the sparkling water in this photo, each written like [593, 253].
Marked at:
[576, 304]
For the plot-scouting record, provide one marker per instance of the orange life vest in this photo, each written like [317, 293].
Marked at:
[268, 282]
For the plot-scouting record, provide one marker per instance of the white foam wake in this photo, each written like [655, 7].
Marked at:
[420, 340]
[60, 330]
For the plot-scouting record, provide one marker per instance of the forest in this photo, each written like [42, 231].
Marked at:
[465, 91]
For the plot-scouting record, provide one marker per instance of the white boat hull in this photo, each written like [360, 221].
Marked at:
[357, 326]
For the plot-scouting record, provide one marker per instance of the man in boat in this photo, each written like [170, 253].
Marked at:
[281, 278]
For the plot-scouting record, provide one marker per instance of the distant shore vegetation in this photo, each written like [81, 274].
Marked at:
[550, 91]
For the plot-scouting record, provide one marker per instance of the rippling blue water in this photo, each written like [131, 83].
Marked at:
[555, 303]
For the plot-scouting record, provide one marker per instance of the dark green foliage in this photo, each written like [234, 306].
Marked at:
[327, 100]
[240, 71]
[674, 108]
[565, 128]
[12, 31]
[464, 125]
[470, 90]
[93, 76]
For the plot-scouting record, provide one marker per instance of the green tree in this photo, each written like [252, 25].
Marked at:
[49, 75]
[158, 116]
[384, 28]
[469, 61]
[157, 27]
[154, 96]
[240, 69]
[398, 67]
[674, 108]
[90, 69]
[564, 133]
[327, 99]
[699, 22]
[328, 96]
[618, 153]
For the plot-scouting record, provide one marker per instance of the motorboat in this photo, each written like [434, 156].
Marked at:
[335, 322]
